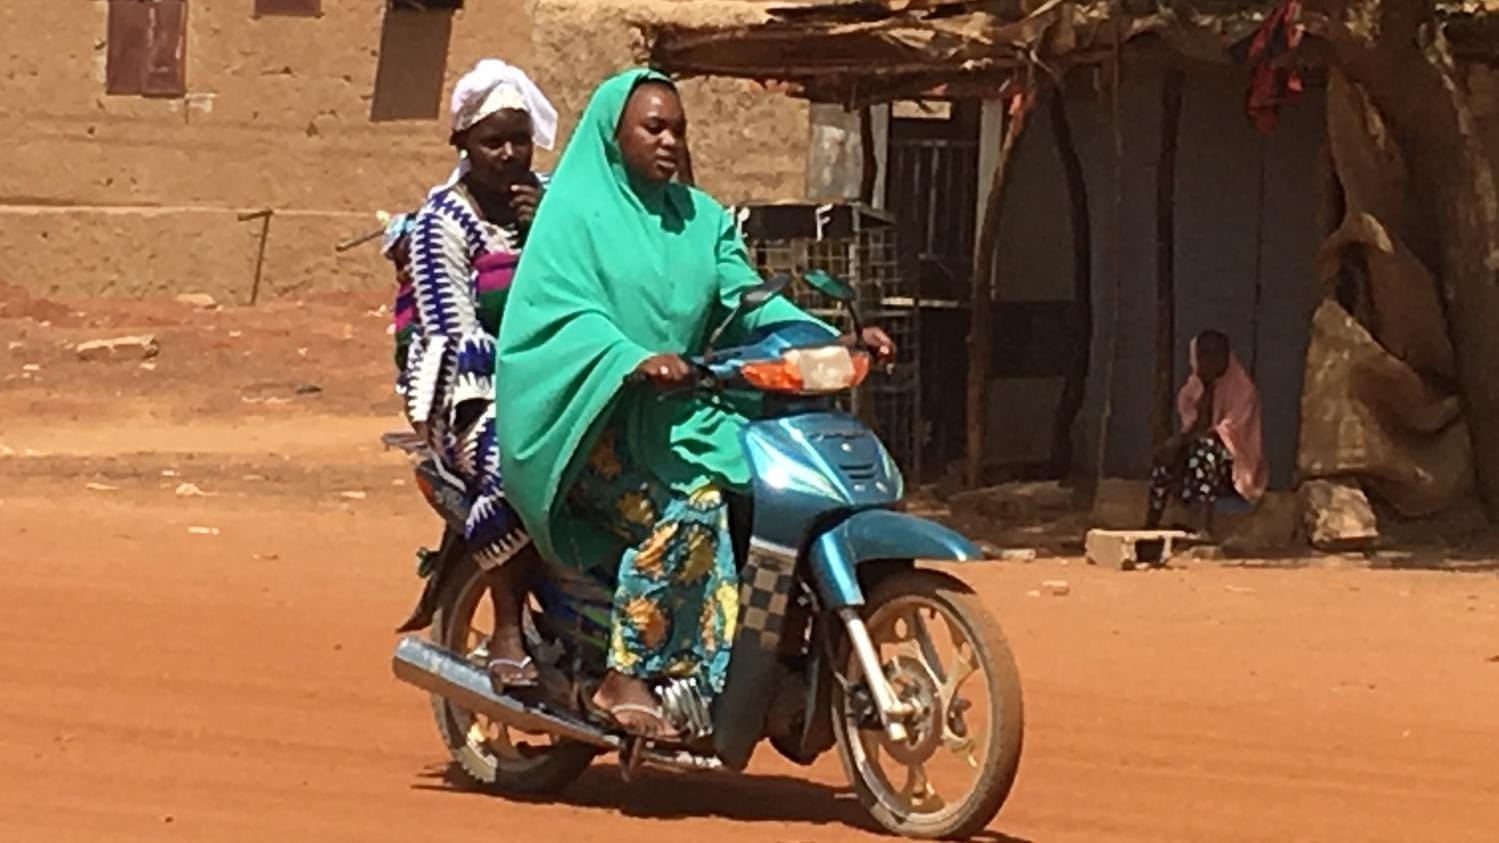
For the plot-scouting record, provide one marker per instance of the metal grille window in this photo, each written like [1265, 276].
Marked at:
[932, 188]
[147, 53]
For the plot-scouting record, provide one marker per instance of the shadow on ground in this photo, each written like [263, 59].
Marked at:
[664, 795]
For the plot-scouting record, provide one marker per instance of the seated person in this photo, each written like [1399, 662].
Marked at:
[455, 260]
[1218, 452]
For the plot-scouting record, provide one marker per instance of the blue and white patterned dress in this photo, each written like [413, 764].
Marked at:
[448, 380]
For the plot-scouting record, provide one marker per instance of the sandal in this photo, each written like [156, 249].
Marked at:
[509, 674]
[667, 732]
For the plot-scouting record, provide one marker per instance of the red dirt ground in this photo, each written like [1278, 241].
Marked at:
[164, 685]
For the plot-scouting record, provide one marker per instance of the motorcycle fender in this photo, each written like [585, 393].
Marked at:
[442, 568]
[877, 535]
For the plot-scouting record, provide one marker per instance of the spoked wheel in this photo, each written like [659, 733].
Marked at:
[947, 659]
[491, 754]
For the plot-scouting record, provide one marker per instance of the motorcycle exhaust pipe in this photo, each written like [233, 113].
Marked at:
[438, 671]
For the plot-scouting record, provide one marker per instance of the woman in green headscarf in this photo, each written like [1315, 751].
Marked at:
[625, 271]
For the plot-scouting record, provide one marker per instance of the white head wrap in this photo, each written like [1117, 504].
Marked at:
[493, 86]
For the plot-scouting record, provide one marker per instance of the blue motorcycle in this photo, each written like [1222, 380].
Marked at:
[848, 636]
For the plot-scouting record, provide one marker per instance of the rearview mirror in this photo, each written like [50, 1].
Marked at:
[750, 300]
[829, 286]
[755, 297]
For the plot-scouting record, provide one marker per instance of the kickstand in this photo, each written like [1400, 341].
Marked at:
[630, 757]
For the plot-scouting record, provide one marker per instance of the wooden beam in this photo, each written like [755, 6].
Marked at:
[870, 173]
[980, 334]
[1116, 242]
[1080, 346]
[1163, 404]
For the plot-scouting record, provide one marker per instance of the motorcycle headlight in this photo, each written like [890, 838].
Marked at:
[809, 371]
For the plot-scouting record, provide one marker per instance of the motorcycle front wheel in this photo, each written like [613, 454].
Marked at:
[946, 657]
[490, 754]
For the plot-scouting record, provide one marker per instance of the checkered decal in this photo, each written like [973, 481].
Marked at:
[764, 595]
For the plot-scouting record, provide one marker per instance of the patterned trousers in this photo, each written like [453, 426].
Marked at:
[1201, 471]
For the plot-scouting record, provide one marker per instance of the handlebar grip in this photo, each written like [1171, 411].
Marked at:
[636, 378]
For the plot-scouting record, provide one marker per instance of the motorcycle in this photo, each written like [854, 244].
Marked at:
[851, 634]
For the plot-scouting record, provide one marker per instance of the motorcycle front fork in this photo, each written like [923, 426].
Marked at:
[893, 712]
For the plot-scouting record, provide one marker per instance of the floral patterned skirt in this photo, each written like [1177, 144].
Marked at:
[676, 597]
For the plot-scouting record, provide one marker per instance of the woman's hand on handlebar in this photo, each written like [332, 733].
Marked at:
[663, 370]
[875, 340]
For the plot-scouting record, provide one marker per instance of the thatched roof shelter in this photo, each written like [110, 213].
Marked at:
[857, 52]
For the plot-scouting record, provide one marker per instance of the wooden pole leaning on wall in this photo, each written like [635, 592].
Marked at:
[265, 232]
[362, 239]
[981, 328]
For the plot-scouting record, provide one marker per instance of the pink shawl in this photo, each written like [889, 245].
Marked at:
[1236, 420]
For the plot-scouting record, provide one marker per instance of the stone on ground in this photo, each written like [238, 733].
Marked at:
[1338, 516]
[119, 348]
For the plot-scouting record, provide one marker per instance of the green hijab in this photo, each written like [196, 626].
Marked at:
[615, 270]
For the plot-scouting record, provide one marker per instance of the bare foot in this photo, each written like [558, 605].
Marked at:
[631, 704]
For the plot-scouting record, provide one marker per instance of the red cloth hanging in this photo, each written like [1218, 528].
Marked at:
[1272, 83]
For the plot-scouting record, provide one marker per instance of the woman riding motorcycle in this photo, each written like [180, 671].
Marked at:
[625, 272]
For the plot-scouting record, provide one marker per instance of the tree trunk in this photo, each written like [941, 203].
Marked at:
[1075, 386]
[982, 315]
[1392, 49]
[1163, 405]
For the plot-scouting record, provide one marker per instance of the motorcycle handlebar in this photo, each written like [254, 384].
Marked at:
[702, 377]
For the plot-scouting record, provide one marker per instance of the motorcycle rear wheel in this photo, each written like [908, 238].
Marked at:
[490, 755]
[895, 781]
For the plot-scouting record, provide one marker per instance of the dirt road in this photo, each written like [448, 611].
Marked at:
[165, 684]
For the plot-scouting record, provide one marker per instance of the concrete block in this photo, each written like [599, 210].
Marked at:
[1274, 523]
[1124, 550]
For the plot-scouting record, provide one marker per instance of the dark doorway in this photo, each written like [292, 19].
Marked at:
[931, 186]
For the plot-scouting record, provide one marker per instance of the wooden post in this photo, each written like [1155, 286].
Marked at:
[1075, 385]
[870, 172]
[1163, 405]
[265, 233]
[981, 327]
[1116, 238]
[1259, 261]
